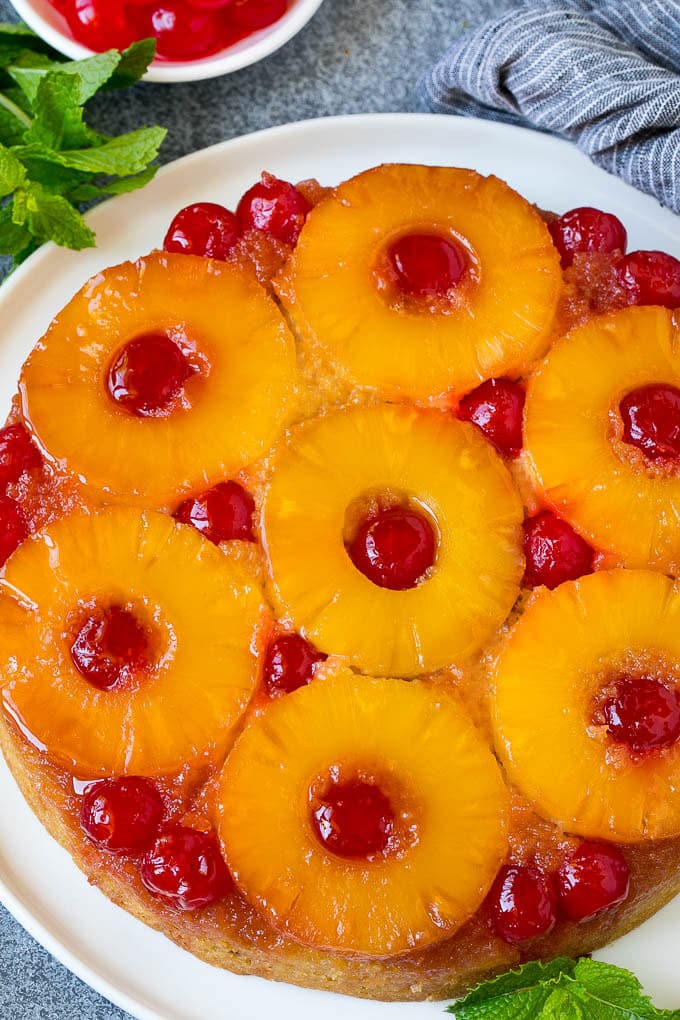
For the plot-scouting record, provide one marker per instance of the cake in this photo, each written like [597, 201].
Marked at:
[338, 616]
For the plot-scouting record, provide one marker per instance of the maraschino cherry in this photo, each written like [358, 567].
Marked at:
[185, 868]
[289, 663]
[651, 420]
[496, 407]
[275, 207]
[586, 230]
[643, 713]
[203, 228]
[394, 548]
[122, 815]
[427, 265]
[147, 376]
[18, 454]
[522, 903]
[553, 551]
[222, 514]
[593, 878]
[651, 278]
[354, 819]
[110, 647]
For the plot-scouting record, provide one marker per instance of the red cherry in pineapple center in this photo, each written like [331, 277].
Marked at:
[427, 265]
[651, 420]
[354, 819]
[643, 713]
[394, 548]
[147, 376]
[110, 646]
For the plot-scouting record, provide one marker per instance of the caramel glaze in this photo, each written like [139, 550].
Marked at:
[232, 934]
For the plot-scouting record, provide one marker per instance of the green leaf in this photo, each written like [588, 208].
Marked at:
[561, 1005]
[12, 129]
[526, 977]
[562, 989]
[12, 172]
[604, 987]
[51, 217]
[59, 179]
[56, 110]
[20, 39]
[121, 157]
[14, 237]
[51, 160]
[90, 192]
[28, 71]
[134, 62]
[90, 74]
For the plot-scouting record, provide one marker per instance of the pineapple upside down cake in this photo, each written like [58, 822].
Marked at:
[339, 622]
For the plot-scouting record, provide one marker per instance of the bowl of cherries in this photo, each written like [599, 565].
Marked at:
[195, 39]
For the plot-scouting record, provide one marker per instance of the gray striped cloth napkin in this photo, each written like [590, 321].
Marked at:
[603, 73]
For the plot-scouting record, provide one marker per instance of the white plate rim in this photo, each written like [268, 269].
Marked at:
[392, 123]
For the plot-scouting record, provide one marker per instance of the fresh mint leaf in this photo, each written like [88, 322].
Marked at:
[51, 217]
[51, 160]
[600, 986]
[12, 128]
[561, 1005]
[530, 975]
[89, 75]
[14, 237]
[120, 157]
[90, 192]
[56, 110]
[59, 179]
[12, 172]
[562, 989]
[134, 62]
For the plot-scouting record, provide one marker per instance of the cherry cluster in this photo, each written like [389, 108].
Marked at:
[183, 29]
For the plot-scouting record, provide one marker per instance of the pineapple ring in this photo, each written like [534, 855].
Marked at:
[408, 736]
[206, 610]
[548, 675]
[236, 412]
[572, 427]
[449, 469]
[503, 320]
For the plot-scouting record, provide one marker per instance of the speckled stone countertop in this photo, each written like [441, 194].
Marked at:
[355, 56]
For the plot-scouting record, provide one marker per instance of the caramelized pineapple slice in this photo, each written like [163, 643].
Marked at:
[127, 643]
[624, 503]
[335, 473]
[561, 668]
[160, 377]
[345, 878]
[492, 321]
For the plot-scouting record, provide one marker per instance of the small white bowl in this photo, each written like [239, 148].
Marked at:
[46, 21]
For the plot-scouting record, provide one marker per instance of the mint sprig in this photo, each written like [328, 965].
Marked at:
[562, 989]
[51, 161]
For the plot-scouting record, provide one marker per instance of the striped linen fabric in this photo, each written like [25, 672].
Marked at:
[603, 73]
